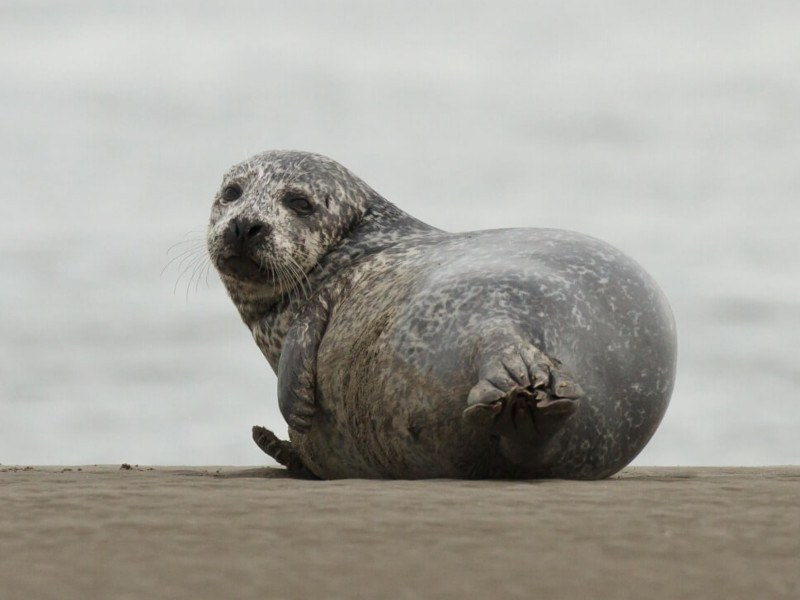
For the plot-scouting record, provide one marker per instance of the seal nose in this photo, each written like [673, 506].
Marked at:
[243, 232]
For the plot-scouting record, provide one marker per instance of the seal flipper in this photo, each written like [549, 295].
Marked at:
[297, 366]
[523, 395]
[283, 452]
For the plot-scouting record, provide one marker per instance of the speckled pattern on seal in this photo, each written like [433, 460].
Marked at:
[404, 351]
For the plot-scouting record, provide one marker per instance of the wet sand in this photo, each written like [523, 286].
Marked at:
[106, 532]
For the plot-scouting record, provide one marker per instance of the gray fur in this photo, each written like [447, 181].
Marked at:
[404, 351]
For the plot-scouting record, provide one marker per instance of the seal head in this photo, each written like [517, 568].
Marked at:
[273, 219]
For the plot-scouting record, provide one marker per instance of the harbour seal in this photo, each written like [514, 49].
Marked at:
[403, 351]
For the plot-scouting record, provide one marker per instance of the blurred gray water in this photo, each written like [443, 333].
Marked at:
[671, 130]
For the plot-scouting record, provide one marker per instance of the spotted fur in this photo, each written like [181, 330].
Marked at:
[405, 351]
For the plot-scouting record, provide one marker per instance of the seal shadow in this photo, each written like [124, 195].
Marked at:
[263, 473]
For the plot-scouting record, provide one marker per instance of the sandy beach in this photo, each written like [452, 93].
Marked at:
[145, 532]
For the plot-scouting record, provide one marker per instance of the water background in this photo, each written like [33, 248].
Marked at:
[671, 130]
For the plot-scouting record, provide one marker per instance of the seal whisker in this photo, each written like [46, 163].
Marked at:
[202, 266]
[184, 270]
[191, 266]
[190, 272]
[189, 256]
[299, 271]
[285, 283]
[279, 273]
[301, 275]
[303, 281]
[199, 247]
[198, 239]
[293, 280]
[209, 264]
[272, 269]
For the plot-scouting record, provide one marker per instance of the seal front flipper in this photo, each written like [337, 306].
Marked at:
[523, 395]
[297, 367]
[283, 452]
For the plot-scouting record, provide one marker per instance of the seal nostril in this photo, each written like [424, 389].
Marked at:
[241, 231]
[233, 229]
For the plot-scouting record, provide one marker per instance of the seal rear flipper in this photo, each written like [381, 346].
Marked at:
[283, 452]
[523, 397]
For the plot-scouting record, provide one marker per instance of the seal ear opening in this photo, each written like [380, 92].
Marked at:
[327, 200]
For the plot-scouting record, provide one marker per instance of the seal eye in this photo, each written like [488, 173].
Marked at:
[299, 204]
[232, 192]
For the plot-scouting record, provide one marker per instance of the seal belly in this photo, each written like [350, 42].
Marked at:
[378, 414]
[397, 361]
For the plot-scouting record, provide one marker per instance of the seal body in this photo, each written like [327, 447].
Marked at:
[413, 353]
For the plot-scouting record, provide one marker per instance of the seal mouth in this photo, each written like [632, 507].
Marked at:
[243, 267]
